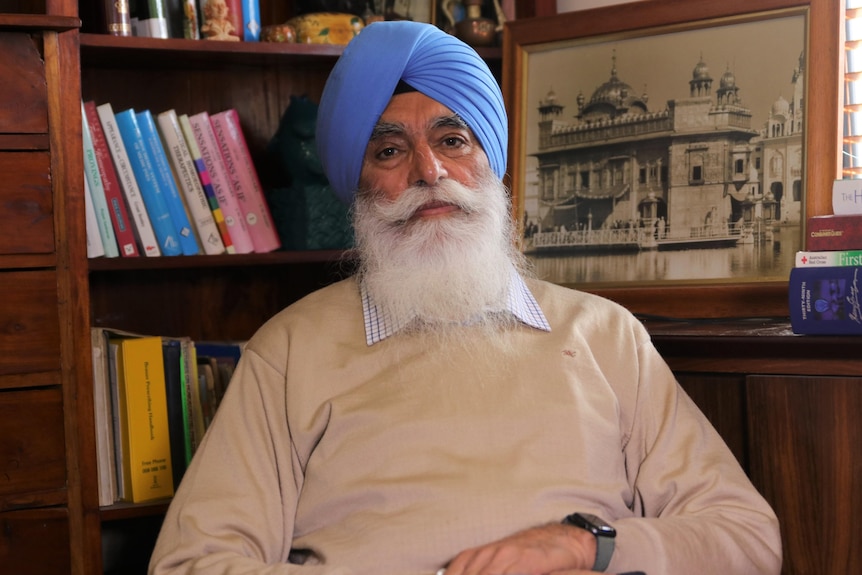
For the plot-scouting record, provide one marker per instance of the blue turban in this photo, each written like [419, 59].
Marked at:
[430, 61]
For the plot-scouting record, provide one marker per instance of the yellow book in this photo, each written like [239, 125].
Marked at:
[147, 471]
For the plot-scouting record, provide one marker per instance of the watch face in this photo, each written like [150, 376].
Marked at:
[591, 523]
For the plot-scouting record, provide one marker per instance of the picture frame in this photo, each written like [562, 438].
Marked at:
[652, 25]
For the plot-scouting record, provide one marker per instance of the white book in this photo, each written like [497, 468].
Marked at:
[103, 412]
[95, 247]
[137, 209]
[190, 184]
[847, 197]
[96, 192]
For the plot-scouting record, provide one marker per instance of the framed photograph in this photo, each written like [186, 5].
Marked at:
[661, 150]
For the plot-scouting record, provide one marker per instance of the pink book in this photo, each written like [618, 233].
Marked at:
[245, 181]
[228, 201]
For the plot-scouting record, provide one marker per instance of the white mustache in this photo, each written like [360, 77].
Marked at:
[414, 198]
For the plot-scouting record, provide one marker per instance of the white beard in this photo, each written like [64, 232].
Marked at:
[445, 274]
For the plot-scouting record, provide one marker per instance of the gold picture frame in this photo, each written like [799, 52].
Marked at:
[661, 25]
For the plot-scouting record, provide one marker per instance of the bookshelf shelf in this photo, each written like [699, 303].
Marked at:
[104, 50]
[245, 260]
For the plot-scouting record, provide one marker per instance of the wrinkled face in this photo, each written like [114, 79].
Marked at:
[419, 142]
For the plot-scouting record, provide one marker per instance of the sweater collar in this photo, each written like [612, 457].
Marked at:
[520, 302]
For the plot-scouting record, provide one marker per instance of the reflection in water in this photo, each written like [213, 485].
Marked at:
[747, 262]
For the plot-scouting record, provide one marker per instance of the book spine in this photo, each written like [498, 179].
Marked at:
[251, 20]
[244, 177]
[228, 202]
[206, 183]
[95, 247]
[825, 300]
[244, 180]
[174, 393]
[117, 15]
[93, 181]
[165, 178]
[191, 20]
[834, 233]
[125, 235]
[148, 471]
[132, 193]
[103, 415]
[187, 176]
[829, 259]
[847, 197]
[150, 191]
[153, 19]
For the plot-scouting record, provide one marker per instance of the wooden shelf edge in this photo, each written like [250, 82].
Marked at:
[184, 262]
[39, 22]
[122, 510]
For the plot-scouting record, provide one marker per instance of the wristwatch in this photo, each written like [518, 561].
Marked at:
[603, 532]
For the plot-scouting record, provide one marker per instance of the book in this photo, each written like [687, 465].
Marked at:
[825, 300]
[175, 17]
[177, 405]
[205, 139]
[251, 20]
[145, 437]
[117, 17]
[96, 192]
[191, 20]
[206, 183]
[847, 197]
[149, 188]
[152, 19]
[131, 192]
[123, 231]
[830, 258]
[168, 185]
[834, 233]
[183, 163]
[104, 418]
[244, 180]
[95, 248]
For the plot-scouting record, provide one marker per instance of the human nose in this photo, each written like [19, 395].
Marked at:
[426, 168]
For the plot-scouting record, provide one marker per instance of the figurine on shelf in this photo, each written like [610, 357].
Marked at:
[220, 22]
[475, 29]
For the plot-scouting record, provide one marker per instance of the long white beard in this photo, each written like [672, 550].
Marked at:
[441, 273]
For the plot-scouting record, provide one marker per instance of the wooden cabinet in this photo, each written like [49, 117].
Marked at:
[46, 450]
[788, 406]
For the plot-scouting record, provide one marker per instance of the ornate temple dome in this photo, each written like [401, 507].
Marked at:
[614, 98]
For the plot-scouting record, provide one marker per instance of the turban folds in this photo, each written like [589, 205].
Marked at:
[363, 80]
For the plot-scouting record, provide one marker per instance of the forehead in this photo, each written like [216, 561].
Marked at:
[413, 106]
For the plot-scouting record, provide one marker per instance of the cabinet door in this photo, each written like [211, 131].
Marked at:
[806, 458]
[721, 397]
[34, 542]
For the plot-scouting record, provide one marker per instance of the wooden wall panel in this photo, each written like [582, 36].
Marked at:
[806, 459]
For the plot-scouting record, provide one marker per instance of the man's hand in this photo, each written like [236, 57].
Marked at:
[552, 549]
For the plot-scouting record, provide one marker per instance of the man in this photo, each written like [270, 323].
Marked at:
[442, 411]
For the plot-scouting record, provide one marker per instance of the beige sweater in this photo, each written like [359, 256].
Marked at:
[390, 459]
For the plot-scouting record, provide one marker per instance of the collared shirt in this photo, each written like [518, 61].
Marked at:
[519, 302]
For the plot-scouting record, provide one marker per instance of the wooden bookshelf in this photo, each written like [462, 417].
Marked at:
[786, 407]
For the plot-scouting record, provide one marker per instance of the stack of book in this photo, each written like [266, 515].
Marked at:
[169, 184]
[825, 282]
[154, 398]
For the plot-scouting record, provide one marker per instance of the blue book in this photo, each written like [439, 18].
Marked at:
[165, 178]
[826, 300]
[250, 20]
[145, 174]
